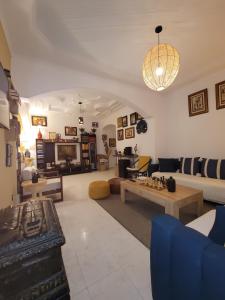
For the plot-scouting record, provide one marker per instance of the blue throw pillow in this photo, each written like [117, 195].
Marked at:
[189, 165]
[168, 164]
[213, 168]
[217, 233]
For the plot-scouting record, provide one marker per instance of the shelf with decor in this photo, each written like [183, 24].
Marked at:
[40, 154]
[85, 158]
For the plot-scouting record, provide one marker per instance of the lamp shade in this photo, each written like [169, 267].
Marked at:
[160, 68]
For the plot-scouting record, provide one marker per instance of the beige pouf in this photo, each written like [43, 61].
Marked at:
[114, 184]
[99, 190]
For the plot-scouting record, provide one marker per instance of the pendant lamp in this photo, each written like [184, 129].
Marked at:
[80, 119]
[161, 65]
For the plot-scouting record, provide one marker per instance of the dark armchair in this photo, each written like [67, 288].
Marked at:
[185, 264]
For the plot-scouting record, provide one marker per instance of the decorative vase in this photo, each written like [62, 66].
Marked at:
[171, 185]
[35, 177]
[39, 135]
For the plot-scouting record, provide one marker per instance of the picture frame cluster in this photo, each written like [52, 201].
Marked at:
[198, 101]
[122, 123]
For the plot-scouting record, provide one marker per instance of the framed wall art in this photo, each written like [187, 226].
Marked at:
[198, 103]
[220, 95]
[70, 131]
[133, 118]
[119, 122]
[139, 117]
[112, 142]
[95, 124]
[39, 121]
[120, 135]
[9, 152]
[125, 121]
[52, 135]
[129, 133]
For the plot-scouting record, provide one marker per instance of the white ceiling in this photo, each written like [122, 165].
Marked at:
[67, 101]
[110, 38]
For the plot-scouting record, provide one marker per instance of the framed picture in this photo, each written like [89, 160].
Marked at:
[9, 152]
[198, 103]
[39, 121]
[119, 122]
[124, 121]
[95, 124]
[52, 135]
[112, 142]
[120, 135]
[129, 133]
[70, 131]
[133, 118]
[220, 95]
[139, 117]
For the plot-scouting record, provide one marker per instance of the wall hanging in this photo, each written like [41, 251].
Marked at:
[39, 121]
[120, 135]
[198, 103]
[142, 126]
[129, 133]
[220, 95]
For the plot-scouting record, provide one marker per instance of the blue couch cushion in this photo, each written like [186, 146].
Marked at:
[217, 233]
[189, 165]
[213, 168]
[168, 164]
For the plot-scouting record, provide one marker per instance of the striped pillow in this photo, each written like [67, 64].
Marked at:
[213, 168]
[189, 165]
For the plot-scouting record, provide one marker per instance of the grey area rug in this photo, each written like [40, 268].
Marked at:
[137, 213]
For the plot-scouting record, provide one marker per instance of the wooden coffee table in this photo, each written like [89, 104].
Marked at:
[171, 201]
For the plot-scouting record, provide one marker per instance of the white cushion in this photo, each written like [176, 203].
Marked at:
[204, 223]
[132, 169]
[213, 189]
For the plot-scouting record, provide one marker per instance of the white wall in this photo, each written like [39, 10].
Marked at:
[201, 135]
[145, 142]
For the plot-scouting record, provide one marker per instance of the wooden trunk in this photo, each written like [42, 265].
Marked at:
[31, 264]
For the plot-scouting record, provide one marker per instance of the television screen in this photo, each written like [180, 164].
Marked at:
[4, 104]
[67, 152]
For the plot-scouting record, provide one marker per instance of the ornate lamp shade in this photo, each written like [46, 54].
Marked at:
[161, 66]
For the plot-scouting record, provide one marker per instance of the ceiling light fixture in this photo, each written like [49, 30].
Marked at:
[161, 65]
[80, 119]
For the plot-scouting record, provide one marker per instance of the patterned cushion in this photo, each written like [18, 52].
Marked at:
[189, 165]
[213, 168]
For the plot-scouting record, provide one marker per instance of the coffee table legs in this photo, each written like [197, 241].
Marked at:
[172, 210]
[122, 193]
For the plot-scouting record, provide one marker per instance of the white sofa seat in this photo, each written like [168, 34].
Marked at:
[213, 189]
[204, 223]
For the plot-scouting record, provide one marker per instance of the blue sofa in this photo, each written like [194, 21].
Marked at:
[185, 264]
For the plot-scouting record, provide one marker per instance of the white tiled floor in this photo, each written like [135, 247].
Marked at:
[103, 260]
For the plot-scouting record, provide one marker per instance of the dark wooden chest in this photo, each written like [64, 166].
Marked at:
[31, 264]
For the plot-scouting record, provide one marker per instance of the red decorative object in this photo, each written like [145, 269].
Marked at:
[39, 135]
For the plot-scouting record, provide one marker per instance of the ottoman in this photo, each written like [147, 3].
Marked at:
[99, 190]
[114, 184]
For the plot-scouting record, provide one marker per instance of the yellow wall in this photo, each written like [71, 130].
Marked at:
[7, 174]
